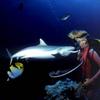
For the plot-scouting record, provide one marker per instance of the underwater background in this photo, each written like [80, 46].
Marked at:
[24, 22]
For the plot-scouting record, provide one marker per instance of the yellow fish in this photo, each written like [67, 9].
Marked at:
[15, 70]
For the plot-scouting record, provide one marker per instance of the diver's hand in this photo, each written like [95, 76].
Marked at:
[88, 82]
[80, 90]
[67, 53]
[79, 55]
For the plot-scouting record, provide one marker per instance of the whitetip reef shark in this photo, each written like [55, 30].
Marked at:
[40, 51]
[43, 51]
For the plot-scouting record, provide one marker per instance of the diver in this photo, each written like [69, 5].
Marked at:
[89, 53]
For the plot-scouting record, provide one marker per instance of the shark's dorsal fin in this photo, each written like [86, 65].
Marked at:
[42, 42]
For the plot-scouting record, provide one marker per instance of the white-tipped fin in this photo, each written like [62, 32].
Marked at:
[9, 54]
[42, 43]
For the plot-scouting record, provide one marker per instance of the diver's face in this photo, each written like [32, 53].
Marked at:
[82, 42]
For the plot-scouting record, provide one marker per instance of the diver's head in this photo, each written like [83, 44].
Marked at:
[79, 36]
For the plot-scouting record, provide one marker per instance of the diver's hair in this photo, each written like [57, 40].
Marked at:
[78, 34]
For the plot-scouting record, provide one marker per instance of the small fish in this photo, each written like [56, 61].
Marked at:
[15, 71]
[65, 18]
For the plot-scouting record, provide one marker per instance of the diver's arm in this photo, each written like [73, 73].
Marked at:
[96, 58]
[79, 55]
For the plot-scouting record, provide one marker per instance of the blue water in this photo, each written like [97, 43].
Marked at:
[23, 22]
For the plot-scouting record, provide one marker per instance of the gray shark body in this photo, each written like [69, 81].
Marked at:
[43, 51]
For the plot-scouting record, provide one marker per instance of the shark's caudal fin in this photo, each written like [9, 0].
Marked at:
[42, 43]
[9, 54]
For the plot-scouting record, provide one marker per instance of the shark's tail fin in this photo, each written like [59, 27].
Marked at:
[9, 54]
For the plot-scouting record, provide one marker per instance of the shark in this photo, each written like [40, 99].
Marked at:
[39, 51]
[43, 51]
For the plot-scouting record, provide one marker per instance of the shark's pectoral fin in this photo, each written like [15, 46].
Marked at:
[58, 55]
